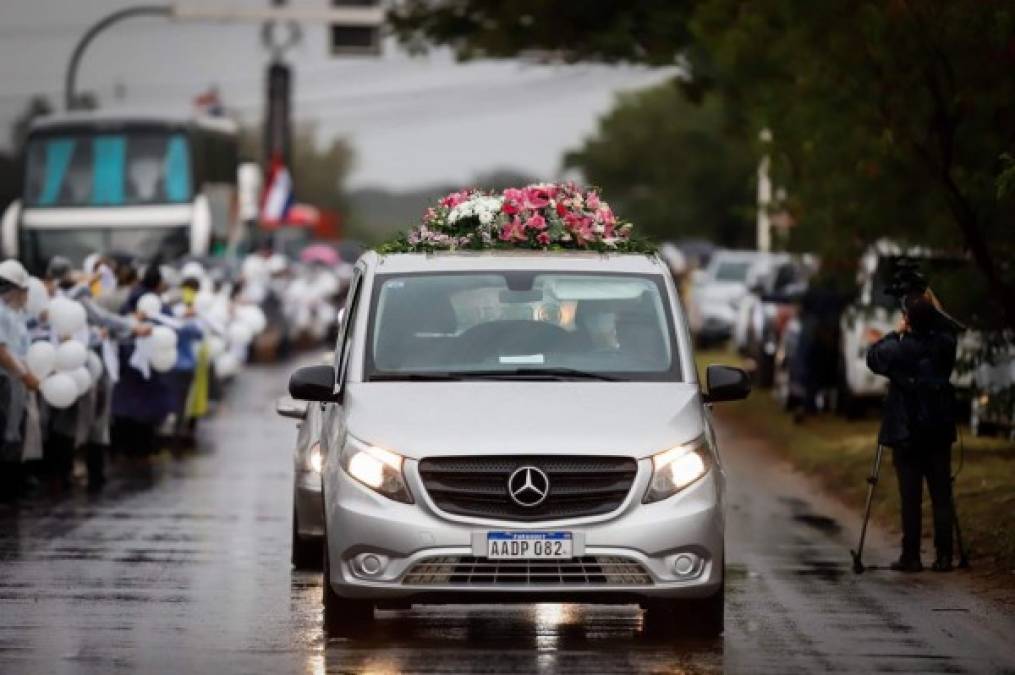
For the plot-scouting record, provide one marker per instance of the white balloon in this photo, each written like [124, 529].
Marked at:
[164, 338]
[253, 317]
[41, 359]
[277, 263]
[94, 365]
[240, 334]
[82, 379]
[254, 267]
[192, 270]
[149, 305]
[59, 390]
[203, 302]
[163, 360]
[38, 297]
[216, 346]
[70, 355]
[66, 316]
[226, 365]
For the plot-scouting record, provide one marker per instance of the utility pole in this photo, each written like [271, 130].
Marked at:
[764, 225]
[278, 106]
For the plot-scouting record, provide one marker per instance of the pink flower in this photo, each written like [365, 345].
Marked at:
[604, 214]
[513, 230]
[580, 227]
[592, 200]
[514, 195]
[543, 238]
[536, 197]
[536, 222]
[561, 209]
[455, 198]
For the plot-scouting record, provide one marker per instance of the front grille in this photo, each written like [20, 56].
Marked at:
[589, 570]
[478, 486]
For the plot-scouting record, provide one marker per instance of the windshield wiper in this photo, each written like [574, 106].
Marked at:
[557, 373]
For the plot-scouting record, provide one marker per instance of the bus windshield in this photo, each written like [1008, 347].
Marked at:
[108, 169]
[39, 246]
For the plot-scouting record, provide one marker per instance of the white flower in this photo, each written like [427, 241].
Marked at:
[483, 207]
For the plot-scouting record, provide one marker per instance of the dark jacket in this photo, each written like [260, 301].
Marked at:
[920, 405]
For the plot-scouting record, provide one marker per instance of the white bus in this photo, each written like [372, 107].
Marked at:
[135, 183]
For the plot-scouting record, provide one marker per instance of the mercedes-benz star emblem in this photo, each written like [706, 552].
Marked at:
[528, 486]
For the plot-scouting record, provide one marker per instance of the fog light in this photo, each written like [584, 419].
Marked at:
[685, 564]
[369, 564]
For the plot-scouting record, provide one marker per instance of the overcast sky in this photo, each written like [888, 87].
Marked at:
[413, 121]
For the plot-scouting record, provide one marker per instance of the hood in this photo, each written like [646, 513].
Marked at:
[420, 419]
[718, 291]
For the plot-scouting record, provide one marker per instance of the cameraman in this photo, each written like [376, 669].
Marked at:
[919, 421]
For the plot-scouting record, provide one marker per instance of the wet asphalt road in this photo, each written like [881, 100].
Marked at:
[183, 566]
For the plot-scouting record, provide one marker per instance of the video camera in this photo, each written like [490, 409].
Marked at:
[906, 279]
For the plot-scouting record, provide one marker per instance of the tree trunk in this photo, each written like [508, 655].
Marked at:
[965, 218]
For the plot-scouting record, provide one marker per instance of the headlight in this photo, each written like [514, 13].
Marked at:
[314, 458]
[377, 468]
[676, 468]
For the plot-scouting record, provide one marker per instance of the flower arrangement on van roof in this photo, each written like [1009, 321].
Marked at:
[545, 216]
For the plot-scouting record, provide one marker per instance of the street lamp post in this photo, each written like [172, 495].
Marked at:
[69, 95]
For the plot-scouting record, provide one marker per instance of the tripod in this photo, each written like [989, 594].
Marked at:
[872, 481]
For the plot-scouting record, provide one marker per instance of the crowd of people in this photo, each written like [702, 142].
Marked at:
[111, 358]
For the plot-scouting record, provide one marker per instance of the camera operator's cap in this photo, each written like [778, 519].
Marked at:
[14, 273]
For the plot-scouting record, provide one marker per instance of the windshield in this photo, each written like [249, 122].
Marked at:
[732, 270]
[521, 323]
[109, 169]
[38, 246]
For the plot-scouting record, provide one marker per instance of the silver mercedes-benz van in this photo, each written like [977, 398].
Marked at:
[520, 426]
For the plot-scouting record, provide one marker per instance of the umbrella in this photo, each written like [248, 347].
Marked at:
[319, 253]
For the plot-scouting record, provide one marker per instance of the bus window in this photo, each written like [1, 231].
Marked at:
[134, 167]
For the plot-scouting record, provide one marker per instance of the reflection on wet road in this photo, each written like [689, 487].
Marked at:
[183, 566]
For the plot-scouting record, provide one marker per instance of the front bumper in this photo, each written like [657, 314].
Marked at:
[409, 537]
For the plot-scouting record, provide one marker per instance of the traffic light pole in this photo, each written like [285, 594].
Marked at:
[346, 16]
[70, 81]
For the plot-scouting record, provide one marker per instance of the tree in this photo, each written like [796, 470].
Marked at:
[889, 117]
[672, 167]
[646, 31]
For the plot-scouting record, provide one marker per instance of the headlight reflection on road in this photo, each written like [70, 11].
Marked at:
[549, 619]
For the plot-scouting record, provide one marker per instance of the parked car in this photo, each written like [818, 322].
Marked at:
[876, 313]
[992, 404]
[775, 287]
[718, 291]
[521, 426]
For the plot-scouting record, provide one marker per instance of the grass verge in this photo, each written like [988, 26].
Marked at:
[839, 454]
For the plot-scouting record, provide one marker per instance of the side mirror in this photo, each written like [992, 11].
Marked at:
[726, 383]
[313, 383]
[289, 407]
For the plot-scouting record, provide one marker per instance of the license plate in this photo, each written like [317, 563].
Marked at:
[528, 545]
